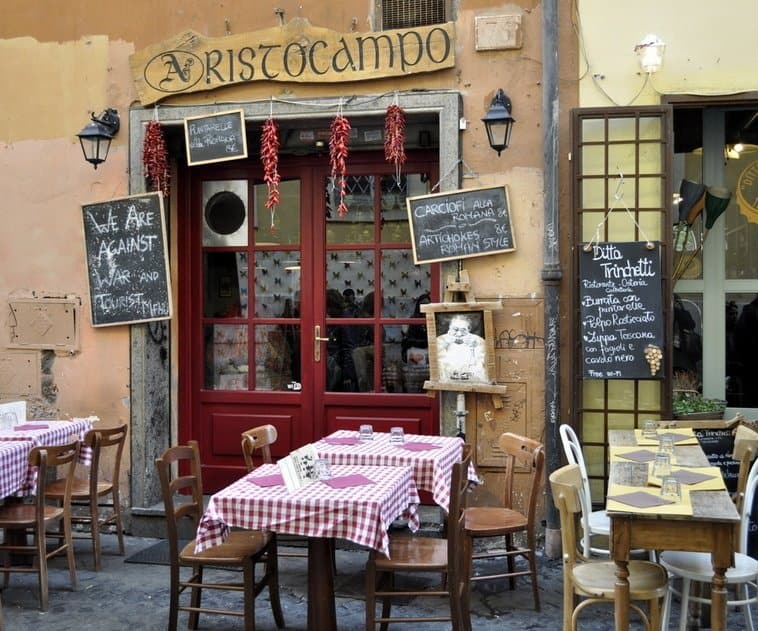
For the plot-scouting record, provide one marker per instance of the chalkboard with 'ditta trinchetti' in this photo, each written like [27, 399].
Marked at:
[621, 314]
[215, 137]
[460, 224]
[127, 260]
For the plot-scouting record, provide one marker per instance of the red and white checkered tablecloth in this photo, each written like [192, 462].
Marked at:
[432, 469]
[361, 514]
[14, 466]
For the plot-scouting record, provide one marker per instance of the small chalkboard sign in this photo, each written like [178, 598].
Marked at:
[215, 137]
[718, 445]
[621, 319]
[460, 224]
[127, 260]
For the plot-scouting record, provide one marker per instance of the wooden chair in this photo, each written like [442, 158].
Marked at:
[594, 523]
[243, 549]
[258, 440]
[102, 480]
[745, 450]
[429, 556]
[18, 520]
[506, 521]
[695, 568]
[595, 580]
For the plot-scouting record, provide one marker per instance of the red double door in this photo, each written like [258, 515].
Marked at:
[297, 316]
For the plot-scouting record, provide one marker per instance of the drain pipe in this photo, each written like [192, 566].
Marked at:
[551, 270]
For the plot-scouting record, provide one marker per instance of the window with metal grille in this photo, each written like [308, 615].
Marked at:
[410, 13]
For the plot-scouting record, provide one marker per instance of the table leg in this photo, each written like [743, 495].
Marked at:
[718, 599]
[621, 589]
[321, 610]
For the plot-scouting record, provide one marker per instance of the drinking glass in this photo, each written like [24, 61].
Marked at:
[666, 445]
[323, 469]
[649, 429]
[661, 465]
[397, 435]
[366, 432]
[671, 489]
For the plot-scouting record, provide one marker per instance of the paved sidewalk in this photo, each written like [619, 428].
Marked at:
[135, 596]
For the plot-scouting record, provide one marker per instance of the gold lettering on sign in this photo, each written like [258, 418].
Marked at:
[297, 52]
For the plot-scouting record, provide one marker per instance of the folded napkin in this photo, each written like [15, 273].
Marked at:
[346, 440]
[640, 499]
[275, 479]
[345, 481]
[411, 446]
[691, 477]
[678, 438]
[642, 455]
[30, 426]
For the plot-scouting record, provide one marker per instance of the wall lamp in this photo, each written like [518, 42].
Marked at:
[96, 136]
[498, 121]
[650, 53]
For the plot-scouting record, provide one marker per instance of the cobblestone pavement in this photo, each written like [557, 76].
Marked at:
[135, 596]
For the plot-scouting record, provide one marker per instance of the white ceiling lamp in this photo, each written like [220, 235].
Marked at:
[650, 53]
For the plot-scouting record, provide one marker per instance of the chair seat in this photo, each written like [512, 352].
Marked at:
[233, 551]
[600, 523]
[646, 580]
[24, 515]
[414, 554]
[80, 489]
[493, 520]
[696, 566]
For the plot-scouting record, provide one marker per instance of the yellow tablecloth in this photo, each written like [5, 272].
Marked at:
[681, 431]
[679, 508]
[716, 483]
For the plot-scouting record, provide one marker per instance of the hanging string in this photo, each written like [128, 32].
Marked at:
[618, 203]
[271, 108]
[155, 113]
[450, 172]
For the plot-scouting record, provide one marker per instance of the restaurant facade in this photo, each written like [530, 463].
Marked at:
[257, 158]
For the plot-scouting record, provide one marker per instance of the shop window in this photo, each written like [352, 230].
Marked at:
[393, 14]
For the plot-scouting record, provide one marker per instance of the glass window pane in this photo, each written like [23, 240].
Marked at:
[622, 129]
[742, 349]
[403, 283]
[340, 365]
[622, 159]
[277, 283]
[741, 219]
[593, 130]
[651, 160]
[273, 358]
[650, 128]
[357, 225]
[621, 392]
[349, 282]
[590, 223]
[686, 340]
[280, 225]
[395, 228]
[651, 192]
[226, 366]
[649, 394]
[593, 159]
[593, 193]
[226, 277]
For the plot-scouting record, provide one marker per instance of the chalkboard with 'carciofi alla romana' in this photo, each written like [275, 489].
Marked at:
[127, 260]
[460, 224]
[621, 315]
[215, 137]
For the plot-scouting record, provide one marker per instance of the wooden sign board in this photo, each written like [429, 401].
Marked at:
[127, 260]
[621, 309]
[460, 224]
[215, 137]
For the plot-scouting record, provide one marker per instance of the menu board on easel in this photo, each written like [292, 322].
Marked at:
[621, 313]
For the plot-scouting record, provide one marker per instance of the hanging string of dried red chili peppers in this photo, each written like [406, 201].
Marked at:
[270, 161]
[394, 137]
[155, 157]
[338, 149]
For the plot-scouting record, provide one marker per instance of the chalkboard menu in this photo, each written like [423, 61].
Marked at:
[127, 261]
[215, 137]
[460, 224]
[718, 445]
[620, 296]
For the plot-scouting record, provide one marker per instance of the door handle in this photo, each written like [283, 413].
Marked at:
[317, 343]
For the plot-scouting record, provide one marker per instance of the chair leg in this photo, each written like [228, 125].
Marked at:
[173, 607]
[94, 528]
[666, 613]
[370, 595]
[387, 601]
[745, 589]
[195, 596]
[685, 599]
[117, 515]
[655, 614]
[42, 570]
[248, 576]
[532, 558]
[510, 561]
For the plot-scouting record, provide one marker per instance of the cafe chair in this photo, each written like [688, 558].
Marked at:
[594, 523]
[745, 450]
[99, 491]
[521, 453]
[243, 550]
[695, 568]
[588, 581]
[258, 441]
[411, 555]
[19, 520]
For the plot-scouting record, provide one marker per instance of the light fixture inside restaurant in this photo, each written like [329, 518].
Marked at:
[498, 121]
[96, 136]
[650, 53]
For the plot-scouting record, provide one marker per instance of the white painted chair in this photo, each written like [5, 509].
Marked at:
[696, 567]
[594, 523]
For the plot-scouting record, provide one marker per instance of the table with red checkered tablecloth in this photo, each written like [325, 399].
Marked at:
[432, 469]
[14, 465]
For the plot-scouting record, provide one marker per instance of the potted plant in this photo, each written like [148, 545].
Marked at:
[688, 401]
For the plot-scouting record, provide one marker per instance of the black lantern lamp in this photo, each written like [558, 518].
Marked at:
[96, 136]
[498, 121]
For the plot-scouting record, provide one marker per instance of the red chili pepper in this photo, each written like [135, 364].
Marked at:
[394, 137]
[155, 157]
[338, 151]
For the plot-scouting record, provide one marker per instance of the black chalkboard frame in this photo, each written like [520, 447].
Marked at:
[465, 193]
[155, 202]
[236, 117]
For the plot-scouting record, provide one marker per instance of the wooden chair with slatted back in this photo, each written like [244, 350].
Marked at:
[745, 450]
[242, 550]
[18, 520]
[98, 494]
[507, 520]
[258, 441]
[429, 556]
[595, 581]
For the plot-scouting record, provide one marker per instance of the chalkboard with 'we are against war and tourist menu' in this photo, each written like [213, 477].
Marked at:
[127, 260]
[621, 314]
